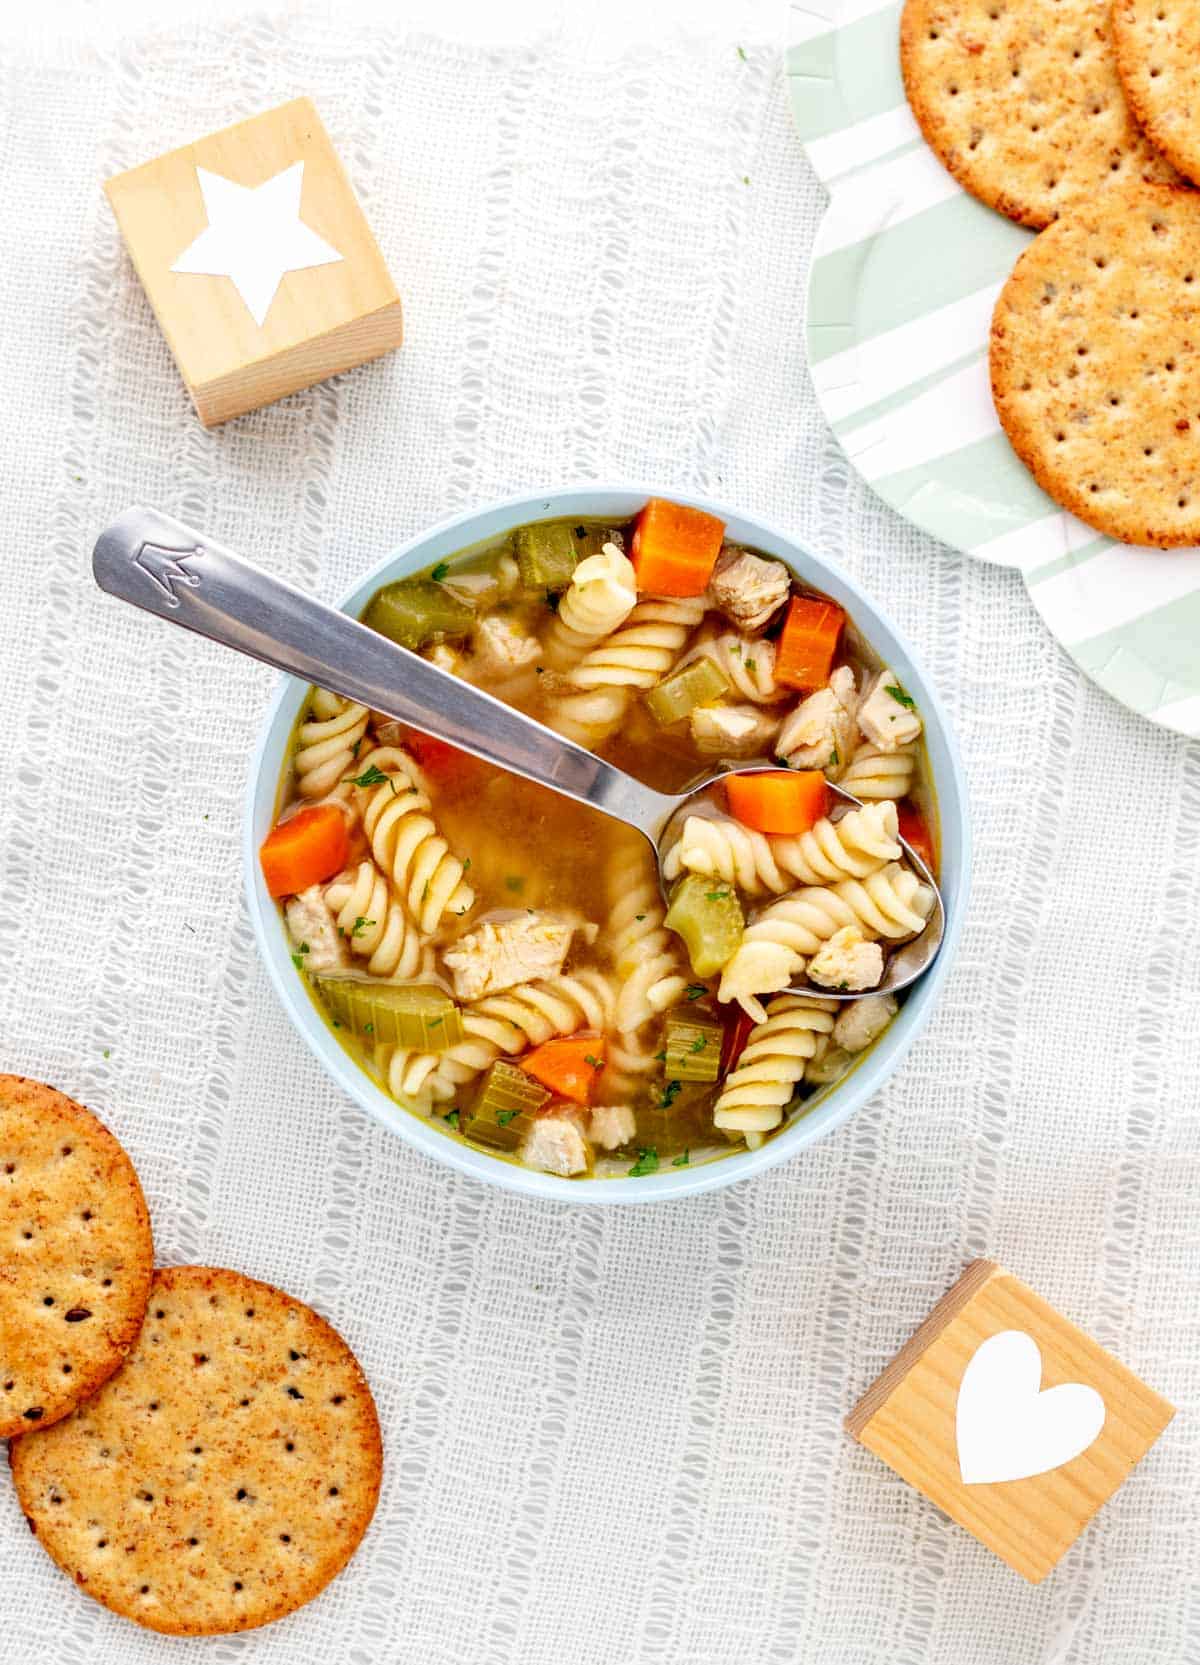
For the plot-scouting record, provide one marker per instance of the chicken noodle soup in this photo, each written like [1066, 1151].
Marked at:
[503, 960]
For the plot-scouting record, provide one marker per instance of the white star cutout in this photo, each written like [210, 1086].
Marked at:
[254, 236]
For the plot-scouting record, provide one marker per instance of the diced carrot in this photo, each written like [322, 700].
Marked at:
[914, 830]
[568, 1066]
[439, 758]
[736, 1035]
[311, 846]
[787, 801]
[805, 650]
[675, 548]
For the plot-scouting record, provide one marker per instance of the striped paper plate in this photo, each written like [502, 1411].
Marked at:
[905, 272]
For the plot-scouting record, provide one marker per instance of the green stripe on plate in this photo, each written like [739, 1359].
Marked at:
[967, 496]
[845, 76]
[910, 269]
[1076, 558]
[1148, 661]
[904, 395]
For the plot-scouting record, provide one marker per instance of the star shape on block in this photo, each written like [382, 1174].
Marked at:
[254, 236]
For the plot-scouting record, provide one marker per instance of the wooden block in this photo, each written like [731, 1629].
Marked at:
[1009, 1418]
[239, 340]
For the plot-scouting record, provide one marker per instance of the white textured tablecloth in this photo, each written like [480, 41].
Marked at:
[613, 1437]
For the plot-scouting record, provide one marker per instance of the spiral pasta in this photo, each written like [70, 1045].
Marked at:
[374, 924]
[600, 597]
[791, 1032]
[853, 848]
[892, 903]
[327, 744]
[651, 974]
[503, 1025]
[405, 841]
[637, 655]
[747, 662]
[872, 773]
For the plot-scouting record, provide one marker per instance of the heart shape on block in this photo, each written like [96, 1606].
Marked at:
[1007, 1429]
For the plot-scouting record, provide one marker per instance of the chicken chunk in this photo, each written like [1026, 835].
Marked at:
[819, 733]
[500, 650]
[313, 929]
[732, 730]
[612, 1125]
[847, 961]
[863, 1022]
[556, 1146]
[747, 588]
[887, 716]
[499, 954]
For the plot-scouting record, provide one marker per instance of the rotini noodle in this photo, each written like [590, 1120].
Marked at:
[747, 662]
[327, 744]
[791, 1031]
[374, 924]
[637, 655]
[892, 903]
[872, 773]
[651, 974]
[859, 844]
[406, 843]
[600, 597]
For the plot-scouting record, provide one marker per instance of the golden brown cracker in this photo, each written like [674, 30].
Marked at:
[1022, 102]
[224, 1476]
[76, 1255]
[1158, 49]
[1095, 363]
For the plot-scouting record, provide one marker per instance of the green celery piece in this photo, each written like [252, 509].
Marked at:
[419, 1016]
[708, 916]
[417, 611]
[547, 553]
[504, 1107]
[677, 696]
[693, 1046]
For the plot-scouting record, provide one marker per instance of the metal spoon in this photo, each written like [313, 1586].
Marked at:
[164, 567]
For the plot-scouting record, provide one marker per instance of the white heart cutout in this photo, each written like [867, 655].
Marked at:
[1007, 1429]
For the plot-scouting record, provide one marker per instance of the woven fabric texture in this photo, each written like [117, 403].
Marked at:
[612, 1437]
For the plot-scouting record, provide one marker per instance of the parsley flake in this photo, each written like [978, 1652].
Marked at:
[581, 531]
[647, 1163]
[695, 990]
[440, 571]
[452, 1120]
[901, 698]
[372, 775]
[741, 52]
[360, 925]
[716, 896]
[467, 865]
[594, 1062]
[670, 1094]
[834, 759]
[108, 1052]
[639, 917]
[503, 1117]
[699, 1044]
[514, 882]
[680, 1161]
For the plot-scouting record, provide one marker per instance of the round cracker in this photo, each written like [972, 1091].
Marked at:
[1021, 101]
[75, 1251]
[1095, 363]
[224, 1476]
[1158, 47]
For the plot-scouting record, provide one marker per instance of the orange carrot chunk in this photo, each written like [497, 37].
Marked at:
[675, 548]
[312, 846]
[805, 651]
[914, 830]
[568, 1066]
[787, 801]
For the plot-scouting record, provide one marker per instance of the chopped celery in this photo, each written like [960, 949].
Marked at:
[417, 611]
[677, 696]
[547, 553]
[419, 1016]
[708, 916]
[504, 1106]
[692, 1047]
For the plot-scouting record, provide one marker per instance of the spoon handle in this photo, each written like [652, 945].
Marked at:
[166, 568]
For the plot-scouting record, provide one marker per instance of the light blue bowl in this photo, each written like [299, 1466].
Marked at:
[829, 1109]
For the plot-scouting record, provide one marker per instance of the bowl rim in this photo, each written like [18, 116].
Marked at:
[831, 1109]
